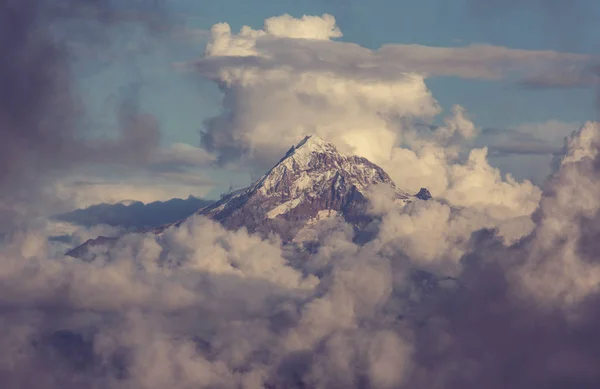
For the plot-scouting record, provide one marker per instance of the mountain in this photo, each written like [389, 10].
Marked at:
[424, 194]
[312, 181]
[312, 184]
[135, 214]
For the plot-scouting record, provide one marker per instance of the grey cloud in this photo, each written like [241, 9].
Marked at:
[390, 61]
[181, 156]
[499, 340]
[534, 148]
[564, 23]
[42, 123]
[534, 139]
[562, 79]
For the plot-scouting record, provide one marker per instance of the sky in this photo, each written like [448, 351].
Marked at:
[141, 62]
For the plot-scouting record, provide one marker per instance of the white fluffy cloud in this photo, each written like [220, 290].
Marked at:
[270, 106]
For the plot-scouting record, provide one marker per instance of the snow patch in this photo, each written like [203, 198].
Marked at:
[283, 208]
[322, 215]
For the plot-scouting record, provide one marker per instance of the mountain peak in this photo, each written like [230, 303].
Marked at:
[301, 154]
[312, 183]
[314, 143]
[312, 179]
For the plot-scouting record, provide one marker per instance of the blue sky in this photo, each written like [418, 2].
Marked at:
[141, 62]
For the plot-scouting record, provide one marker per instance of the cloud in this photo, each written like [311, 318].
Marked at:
[176, 170]
[46, 132]
[529, 138]
[283, 46]
[199, 304]
[562, 78]
[581, 144]
[179, 156]
[42, 122]
[525, 299]
[563, 24]
[473, 184]
[529, 150]
[333, 99]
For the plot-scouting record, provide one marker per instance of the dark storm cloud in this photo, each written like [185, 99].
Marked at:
[41, 115]
[500, 340]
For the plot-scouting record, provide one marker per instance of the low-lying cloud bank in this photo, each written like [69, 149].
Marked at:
[493, 284]
[199, 306]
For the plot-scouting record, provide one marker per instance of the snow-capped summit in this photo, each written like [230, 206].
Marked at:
[311, 178]
[311, 143]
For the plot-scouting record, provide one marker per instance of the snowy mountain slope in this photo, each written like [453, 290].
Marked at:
[313, 180]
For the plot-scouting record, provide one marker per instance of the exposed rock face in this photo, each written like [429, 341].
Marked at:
[312, 182]
[423, 194]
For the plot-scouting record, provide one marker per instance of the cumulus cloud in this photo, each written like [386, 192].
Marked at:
[318, 85]
[561, 265]
[178, 156]
[472, 183]
[581, 144]
[157, 275]
[328, 105]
